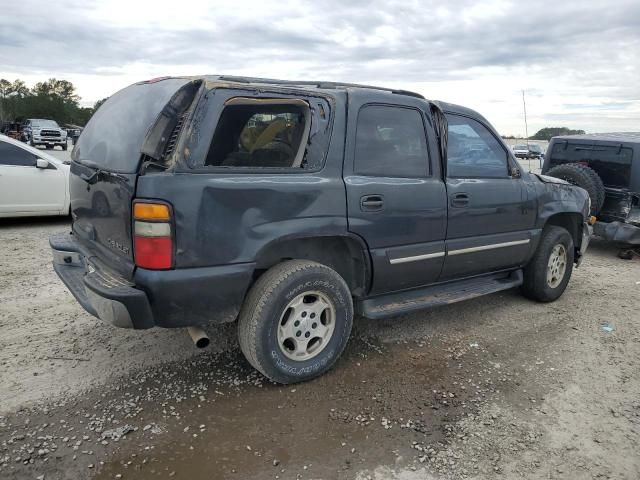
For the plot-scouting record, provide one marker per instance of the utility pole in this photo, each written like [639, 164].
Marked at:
[526, 127]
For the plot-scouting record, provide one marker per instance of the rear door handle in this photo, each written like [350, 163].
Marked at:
[371, 203]
[459, 200]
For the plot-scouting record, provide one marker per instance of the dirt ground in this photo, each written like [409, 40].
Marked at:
[497, 387]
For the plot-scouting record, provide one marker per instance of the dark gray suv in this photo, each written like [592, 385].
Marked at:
[292, 206]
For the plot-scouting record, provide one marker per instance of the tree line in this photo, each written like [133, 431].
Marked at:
[53, 99]
[548, 132]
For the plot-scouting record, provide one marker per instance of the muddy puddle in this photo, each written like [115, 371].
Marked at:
[213, 417]
[368, 411]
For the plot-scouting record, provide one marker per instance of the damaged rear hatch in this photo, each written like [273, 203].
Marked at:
[106, 163]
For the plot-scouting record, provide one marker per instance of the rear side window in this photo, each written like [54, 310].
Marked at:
[261, 133]
[390, 142]
[472, 151]
[12, 155]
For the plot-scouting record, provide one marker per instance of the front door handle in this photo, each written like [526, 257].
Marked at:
[371, 203]
[459, 200]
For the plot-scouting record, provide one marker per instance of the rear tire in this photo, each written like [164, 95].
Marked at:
[584, 177]
[548, 273]
[295, 321]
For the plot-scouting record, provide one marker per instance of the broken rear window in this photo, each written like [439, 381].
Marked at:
[261, 133]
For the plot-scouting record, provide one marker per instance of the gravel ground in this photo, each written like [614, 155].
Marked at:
[496, 387]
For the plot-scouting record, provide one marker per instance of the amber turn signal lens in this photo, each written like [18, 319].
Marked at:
[150, 211]
[592, 220]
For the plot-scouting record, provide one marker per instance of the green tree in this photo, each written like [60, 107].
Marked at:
[54, 99]
[99, 103]
[548, 132]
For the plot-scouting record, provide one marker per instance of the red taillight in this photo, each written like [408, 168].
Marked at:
[152, 239]
[155, 253]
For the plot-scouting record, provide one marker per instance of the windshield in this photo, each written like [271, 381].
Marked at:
[535, 148]
[44, 123]
[520, 147]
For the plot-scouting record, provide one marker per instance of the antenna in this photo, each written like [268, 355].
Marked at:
[526, 127]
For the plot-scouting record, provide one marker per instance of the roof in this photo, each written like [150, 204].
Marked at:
[321, 85]
[610, 137]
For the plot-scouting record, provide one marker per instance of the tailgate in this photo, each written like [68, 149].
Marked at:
[105, 166]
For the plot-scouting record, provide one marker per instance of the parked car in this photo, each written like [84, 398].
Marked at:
[531, 150]
[291, 206]
[12, 130]
[608, 167]
[38, 131]
[73, 132]
[536, 151]
[521, 151]
[31, 181]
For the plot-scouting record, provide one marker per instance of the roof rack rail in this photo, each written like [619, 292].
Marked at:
[317, 84]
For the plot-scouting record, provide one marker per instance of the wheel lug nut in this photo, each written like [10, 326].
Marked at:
[313, 315]
[296, 323]
[314, 325]
[304, 314]
[298, 333]
[307, 335]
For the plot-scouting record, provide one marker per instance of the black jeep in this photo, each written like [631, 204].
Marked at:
[607, 166]
[290, 206]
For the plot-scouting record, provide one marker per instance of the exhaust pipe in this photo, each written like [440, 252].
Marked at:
[199, 337]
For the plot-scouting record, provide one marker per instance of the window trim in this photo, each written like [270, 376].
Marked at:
[249, 101]
[429, 169]
[508, 165]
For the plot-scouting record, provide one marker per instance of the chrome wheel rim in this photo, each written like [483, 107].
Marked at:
[306, 326]
[557, 265]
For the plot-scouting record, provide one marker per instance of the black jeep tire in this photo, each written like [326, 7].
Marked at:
[584, 177]
[268, 309]
[540, 282]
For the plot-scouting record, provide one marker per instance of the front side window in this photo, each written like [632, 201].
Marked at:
[472, 151]
[390, 142]
[254, 133]
[12, 155]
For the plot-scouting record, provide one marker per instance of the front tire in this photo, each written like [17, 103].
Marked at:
[548, 273]
[296, 321]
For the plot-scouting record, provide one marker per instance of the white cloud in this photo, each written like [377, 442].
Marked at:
[577, 61]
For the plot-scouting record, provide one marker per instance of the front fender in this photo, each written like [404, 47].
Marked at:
[561, 198]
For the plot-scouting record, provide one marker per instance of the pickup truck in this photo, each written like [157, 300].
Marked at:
[291, 206]
[39, 131]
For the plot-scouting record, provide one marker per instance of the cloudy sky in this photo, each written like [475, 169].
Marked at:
[578, 61]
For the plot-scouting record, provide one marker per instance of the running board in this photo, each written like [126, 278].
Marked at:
[400, 303]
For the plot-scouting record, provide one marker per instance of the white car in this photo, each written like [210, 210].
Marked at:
[32, 182]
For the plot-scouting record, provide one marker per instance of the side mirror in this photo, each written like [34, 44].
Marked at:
[515, 172]
[42, 163]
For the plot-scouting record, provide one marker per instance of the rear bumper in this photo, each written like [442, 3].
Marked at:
[620, 232]
[170, 298]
